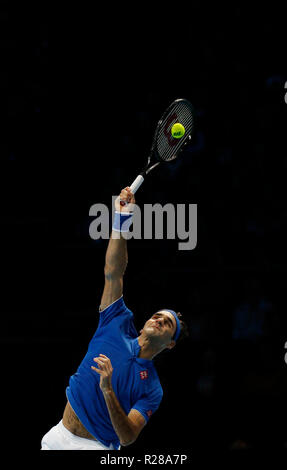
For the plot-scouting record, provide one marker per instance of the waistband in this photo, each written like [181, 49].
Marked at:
[81, 440]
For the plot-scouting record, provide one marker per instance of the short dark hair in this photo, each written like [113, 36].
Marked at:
[184, 332]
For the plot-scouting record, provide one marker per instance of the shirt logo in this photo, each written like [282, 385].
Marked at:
[143, 374]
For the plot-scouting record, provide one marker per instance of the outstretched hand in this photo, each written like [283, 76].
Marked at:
[105, 370]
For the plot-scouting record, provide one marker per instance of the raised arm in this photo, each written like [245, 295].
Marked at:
[116, 257]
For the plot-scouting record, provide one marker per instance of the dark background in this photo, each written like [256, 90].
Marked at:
[112, 75]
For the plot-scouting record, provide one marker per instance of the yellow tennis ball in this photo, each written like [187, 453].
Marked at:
[177, 130]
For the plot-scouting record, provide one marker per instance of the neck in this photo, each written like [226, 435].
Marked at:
[148, 349]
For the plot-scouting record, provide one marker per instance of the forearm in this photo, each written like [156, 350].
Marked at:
[116, 257]
[127, 427]
[117, 253]
[122, 425]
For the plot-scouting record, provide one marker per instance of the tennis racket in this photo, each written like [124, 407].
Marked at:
[165, 148]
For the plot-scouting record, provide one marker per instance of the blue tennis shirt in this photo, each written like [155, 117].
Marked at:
[134, 380]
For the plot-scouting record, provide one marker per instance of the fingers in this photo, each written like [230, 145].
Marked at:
[126, 195]
[104, 357]
[97, 370]
[100, 370]
[125, 201]
[103, 363]
[100, 364]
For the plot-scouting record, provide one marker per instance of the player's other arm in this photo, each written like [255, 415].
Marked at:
[116, 257]
[127, 427]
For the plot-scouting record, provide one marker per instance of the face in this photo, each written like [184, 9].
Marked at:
[161, 325]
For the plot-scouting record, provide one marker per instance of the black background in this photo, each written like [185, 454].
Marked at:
[112, 74]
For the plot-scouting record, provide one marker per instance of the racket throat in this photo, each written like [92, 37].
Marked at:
[140, 178]
[149, 168]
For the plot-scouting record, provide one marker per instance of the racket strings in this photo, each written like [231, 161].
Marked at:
[167, 146]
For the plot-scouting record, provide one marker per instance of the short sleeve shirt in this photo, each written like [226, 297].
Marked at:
[134, 380]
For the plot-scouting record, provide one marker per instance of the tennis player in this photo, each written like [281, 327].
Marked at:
[116, 388]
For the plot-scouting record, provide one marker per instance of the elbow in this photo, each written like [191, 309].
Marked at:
[109, 273]
[112, 272]
[127, 443]
[129, 440]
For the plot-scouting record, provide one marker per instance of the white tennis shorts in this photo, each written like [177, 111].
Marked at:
[60, 438]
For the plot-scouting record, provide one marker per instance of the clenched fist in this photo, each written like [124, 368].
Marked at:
[126, 200]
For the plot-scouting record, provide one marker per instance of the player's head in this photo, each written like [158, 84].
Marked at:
[165, 328]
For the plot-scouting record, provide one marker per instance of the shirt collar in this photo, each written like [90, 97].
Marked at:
[136, 350]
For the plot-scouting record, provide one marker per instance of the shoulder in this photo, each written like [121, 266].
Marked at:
[118, 304]
[117, 307]
[116, 311]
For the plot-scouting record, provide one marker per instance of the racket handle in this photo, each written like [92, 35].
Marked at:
[134, 186]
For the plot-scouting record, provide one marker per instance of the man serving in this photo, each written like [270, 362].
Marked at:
[116, 388]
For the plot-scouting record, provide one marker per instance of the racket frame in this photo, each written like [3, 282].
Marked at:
[154, 156]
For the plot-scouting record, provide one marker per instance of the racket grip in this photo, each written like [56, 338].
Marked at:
[134, 186]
